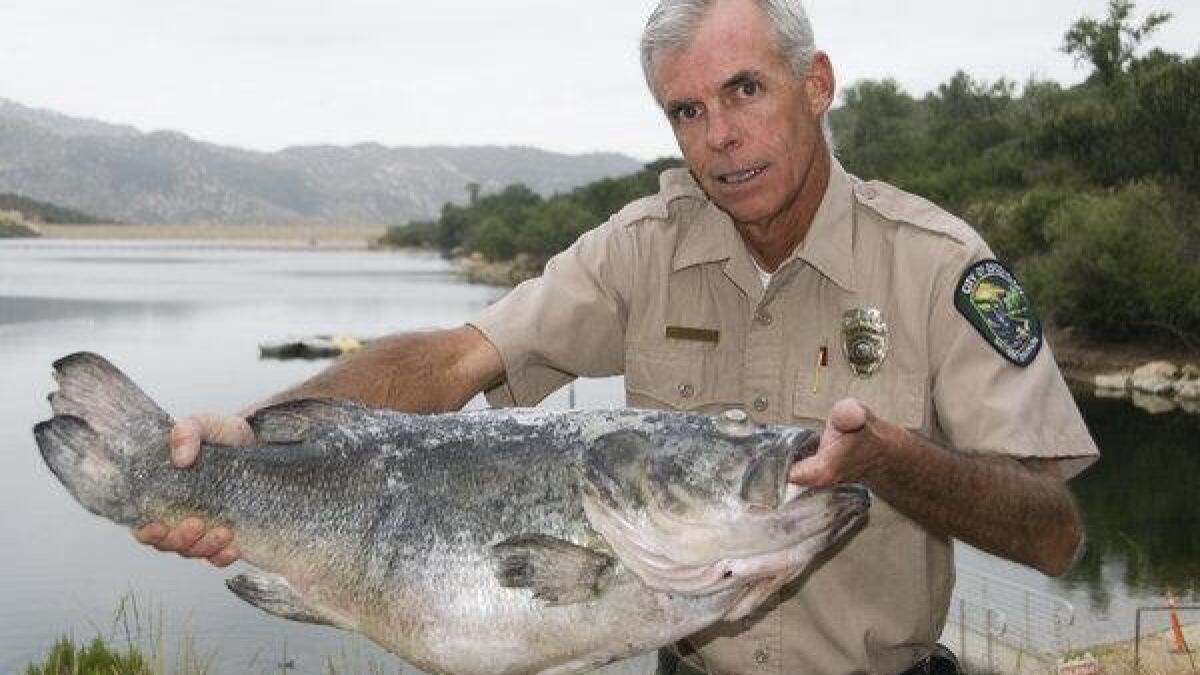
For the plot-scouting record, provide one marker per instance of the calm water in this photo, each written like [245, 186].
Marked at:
[185, 319]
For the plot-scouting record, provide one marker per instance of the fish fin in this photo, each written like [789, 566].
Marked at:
[558, 572]
[87, 466]
[274, 595]
[303, 420]
[94, 390]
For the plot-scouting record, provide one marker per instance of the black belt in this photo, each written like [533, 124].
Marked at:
[939, 662]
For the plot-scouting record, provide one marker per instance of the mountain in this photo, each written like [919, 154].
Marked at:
[121, 173]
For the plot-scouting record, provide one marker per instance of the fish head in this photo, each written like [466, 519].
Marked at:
[698, 508]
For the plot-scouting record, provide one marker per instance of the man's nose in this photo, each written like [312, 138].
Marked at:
[722, 131]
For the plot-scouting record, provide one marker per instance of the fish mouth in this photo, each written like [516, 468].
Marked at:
[798, 444]
[741, 176]
[765, 485]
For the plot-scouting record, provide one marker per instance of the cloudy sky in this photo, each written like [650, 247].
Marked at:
[559, 74]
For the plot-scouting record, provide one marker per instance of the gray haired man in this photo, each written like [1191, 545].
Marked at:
[765, 277]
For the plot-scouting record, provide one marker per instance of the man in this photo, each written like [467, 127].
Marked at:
[767, 278]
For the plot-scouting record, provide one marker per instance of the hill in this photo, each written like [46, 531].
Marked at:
[166, 177]
[41, 212]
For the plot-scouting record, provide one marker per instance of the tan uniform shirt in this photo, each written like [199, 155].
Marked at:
[675, 260]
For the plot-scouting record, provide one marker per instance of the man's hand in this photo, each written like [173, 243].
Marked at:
[848, 451]
[190, 538]
[991, 501]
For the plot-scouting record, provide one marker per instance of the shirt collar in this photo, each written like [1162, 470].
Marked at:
[828, 247]
[829, 244]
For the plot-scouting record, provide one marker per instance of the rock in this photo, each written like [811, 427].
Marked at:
[1105, 392]
[1112, 380]
[1190, 407]
[1156, 377]
[1190, 371]
[1159, 369]
[1188, 390]
[1157, 386]
[1155, 405]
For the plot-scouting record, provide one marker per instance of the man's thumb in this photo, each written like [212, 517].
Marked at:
[846, 417]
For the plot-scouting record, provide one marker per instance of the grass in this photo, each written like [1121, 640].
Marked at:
[136, 644]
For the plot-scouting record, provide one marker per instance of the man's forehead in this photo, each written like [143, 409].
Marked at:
[715, 56]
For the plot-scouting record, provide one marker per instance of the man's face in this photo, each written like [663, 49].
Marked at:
[748, 127]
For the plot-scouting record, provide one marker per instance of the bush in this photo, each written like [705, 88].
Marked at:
[94, 659]
[1119, 265]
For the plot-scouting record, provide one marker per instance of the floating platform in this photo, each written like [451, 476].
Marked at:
[312, 347]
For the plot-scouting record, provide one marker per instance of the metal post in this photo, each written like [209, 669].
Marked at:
[988, 629]
[962, 630]
[1137, 639]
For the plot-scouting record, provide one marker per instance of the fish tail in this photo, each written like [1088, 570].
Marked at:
[103, 424]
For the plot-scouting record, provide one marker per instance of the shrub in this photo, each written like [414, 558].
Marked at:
[1119, 265]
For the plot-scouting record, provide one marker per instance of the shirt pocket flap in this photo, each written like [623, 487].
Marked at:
[683, 380]
[898, 398]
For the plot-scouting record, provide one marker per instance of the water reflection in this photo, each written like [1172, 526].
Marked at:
[1140, 503]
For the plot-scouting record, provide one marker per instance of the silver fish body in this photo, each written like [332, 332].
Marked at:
[496, 541]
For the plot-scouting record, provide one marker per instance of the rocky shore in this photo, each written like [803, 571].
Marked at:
[1154, 377]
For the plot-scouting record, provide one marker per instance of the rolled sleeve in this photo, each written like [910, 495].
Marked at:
[569, 322]
[986, 404]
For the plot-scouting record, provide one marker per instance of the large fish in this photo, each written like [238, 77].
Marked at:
[496, 541]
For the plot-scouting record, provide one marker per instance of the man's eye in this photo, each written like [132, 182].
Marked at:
[687, 112]
[748, 88]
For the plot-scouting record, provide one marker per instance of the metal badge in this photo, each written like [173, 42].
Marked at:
[864, 340]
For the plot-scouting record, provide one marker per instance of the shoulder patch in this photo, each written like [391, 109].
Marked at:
[992, 301]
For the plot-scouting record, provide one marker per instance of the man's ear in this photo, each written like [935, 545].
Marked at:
[819, 83]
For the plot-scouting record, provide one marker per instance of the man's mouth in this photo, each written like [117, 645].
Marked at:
[739, 177]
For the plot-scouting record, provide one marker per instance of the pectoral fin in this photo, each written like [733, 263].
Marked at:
[274, 595]
[558, 572]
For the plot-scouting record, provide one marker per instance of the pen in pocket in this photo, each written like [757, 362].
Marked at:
[822, 362]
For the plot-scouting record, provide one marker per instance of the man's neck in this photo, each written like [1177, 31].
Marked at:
[771, 242]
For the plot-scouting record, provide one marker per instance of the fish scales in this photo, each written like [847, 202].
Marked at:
[496, 541]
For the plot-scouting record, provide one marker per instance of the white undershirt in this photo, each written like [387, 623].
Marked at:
[763, 275]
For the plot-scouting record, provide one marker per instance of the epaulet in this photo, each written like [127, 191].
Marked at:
[673, 184]
[896, 205]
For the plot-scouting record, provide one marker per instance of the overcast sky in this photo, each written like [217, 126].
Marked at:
[558, 74]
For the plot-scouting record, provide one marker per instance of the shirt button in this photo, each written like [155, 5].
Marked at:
[764, 317]
[761, 404]
[761, 656]
[687, 390]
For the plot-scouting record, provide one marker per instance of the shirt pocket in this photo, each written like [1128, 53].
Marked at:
[900, 398]
[697, 379]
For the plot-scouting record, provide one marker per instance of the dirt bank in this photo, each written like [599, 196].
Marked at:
[300, 235]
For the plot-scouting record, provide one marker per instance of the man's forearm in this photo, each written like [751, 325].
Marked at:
[423, 372]
[993, 503]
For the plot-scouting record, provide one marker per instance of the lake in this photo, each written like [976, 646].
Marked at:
[184, 320]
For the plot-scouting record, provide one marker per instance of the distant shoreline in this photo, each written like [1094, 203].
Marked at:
[299, 235]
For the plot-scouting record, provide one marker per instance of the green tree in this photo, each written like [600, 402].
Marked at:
[1109, 44]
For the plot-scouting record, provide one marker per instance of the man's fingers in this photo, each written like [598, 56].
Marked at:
[812, 471]
[213, 542]
[183, 536]
[226, 556]
[151, 534]
[188, 434]
[185, 442]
